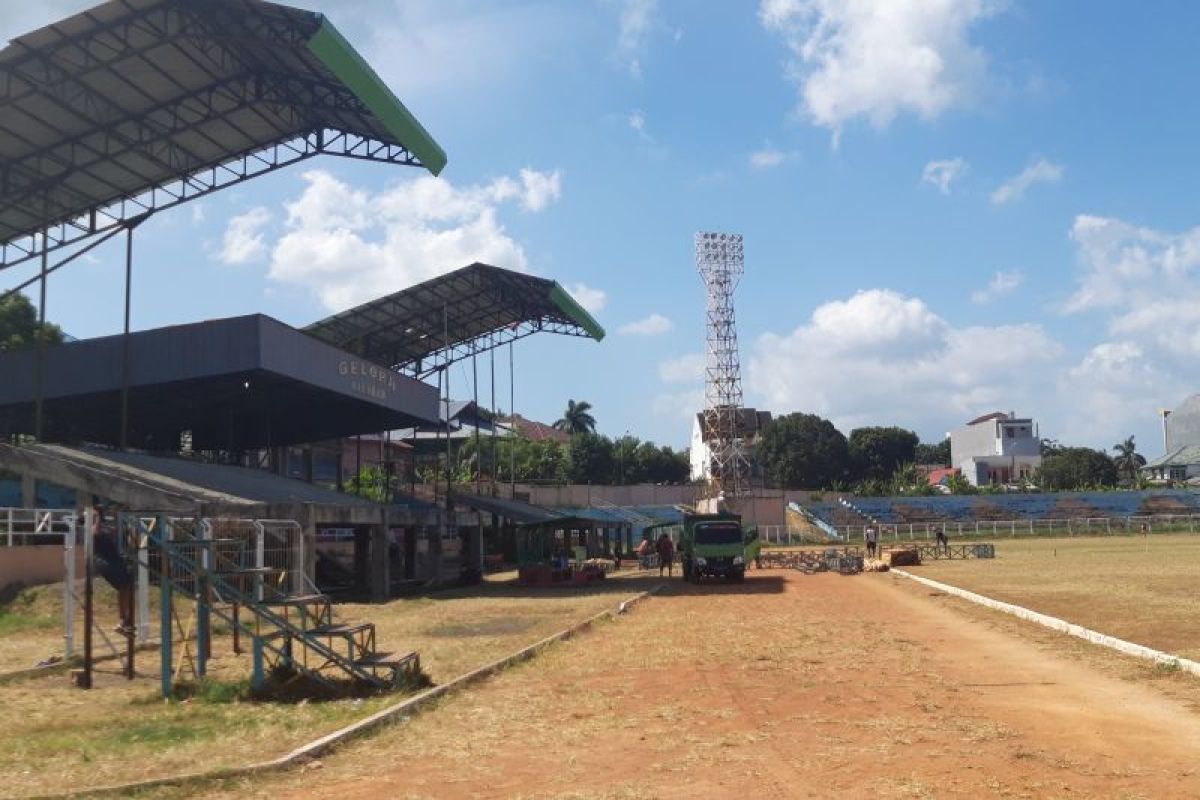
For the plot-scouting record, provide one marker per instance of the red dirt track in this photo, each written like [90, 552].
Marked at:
[787, 686]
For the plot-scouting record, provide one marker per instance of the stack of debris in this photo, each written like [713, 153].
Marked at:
[901, 557]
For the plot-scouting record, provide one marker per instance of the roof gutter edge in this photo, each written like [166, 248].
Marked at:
[569, 306]
[332, 49]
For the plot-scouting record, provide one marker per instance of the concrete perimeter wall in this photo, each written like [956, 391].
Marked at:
[760, 507]
[34, 565]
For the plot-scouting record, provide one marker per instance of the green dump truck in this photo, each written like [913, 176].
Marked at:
[714, 545]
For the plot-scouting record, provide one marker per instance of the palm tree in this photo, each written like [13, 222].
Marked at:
[576, 418]
[1127, 459]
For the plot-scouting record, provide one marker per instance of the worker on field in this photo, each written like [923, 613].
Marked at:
[666, 554]
[871, 537]
[110, 564]
[942, 542]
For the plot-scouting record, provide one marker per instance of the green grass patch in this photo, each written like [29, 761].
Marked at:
[16, 623]
[24, 609]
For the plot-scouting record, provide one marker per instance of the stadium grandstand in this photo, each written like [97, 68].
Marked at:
[134, 107]
[1005, 512]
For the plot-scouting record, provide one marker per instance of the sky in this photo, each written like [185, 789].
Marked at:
[950, 207]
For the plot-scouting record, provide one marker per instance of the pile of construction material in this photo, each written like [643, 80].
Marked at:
[901, 557]
[846, 561]
[875, 565]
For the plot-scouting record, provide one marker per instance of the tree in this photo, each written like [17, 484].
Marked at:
[1076, 468]
[373, 483]
[934, 453]
[590, 459]
[1127, 460]
[661, 464]
[957, 483]
[876, 453]
[629, 468]
[19, 324]
[910, 479]
[577, 419]
[1050, 447]
[803, 451]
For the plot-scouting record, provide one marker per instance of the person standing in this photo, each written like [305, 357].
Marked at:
[111, 566]
[943, 543]
[871, 537]
[666, 554]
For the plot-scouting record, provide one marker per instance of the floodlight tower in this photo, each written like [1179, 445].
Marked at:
[719, 261]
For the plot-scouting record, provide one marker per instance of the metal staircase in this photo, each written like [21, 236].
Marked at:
[292, 634]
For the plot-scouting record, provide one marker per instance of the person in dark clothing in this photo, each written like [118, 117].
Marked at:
[666, 554]
[111, 566]
[942, 542]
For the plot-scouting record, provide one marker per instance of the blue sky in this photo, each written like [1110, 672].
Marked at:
[949, 206]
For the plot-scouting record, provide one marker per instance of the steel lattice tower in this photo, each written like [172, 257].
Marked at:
[720, 264]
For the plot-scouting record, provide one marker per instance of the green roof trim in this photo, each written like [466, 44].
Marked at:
[572, 309]
[332, 49]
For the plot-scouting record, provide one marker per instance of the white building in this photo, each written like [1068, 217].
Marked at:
[996, 448]
[750, 423]
[1181, 438]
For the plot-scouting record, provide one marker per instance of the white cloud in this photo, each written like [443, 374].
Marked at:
[862, 58]
[1147, 280]
[653, 325]
[429, 50]
[881, 358]
[593, 300]
[769, 158]
[1003, 282]
[1040, 171]
[684, 369]
[682, 405]
[637, 121]
[636, 22]
[244, 240]
[539, 189]
[348, 245]
[1118, 389]
[199, 213]
[944, 173]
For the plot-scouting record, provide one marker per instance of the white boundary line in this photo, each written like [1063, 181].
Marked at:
[1060, 625]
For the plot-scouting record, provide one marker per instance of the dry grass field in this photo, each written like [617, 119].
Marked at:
[1142, 589]
[789, 685]
[57, 738]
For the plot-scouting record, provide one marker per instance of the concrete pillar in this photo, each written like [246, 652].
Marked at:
[362, 558]
[380, 568]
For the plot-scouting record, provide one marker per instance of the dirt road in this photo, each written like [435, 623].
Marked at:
[787, 686]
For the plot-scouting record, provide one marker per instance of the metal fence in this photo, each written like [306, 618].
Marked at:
[781, 535]
[37, 526]
[278, 544]
[20, 527]
[1072, 526]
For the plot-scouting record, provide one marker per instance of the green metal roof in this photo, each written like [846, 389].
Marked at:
[576, 312]
[343, 61]
[454, 316]
[136, 105]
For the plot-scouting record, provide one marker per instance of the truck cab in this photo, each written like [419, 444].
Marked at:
[713, 545]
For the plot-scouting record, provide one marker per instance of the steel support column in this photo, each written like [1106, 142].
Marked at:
[125, 339]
